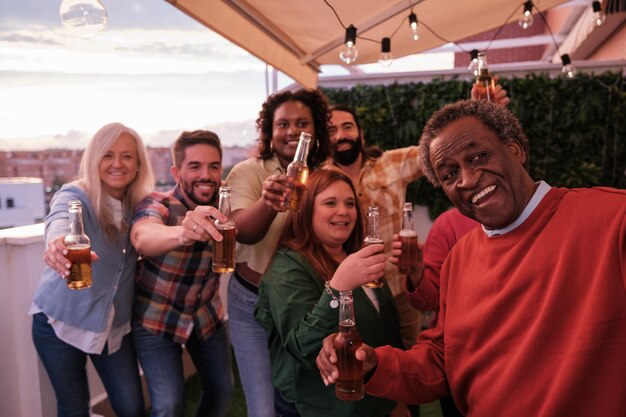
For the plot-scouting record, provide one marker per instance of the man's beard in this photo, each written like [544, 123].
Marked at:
[350, 155]
[189, 191]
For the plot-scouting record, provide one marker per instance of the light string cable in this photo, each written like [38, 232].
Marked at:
[502, 27]
[449, 41]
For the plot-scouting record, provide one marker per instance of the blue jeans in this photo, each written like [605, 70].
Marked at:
[65, 366]
[251, 351]
[162, 364]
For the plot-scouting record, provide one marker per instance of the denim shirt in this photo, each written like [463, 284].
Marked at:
[113, 274]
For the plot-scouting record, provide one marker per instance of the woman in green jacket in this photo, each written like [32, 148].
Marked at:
[319, 255]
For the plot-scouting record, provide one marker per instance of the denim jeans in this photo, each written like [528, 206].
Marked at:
[66, 364]
[251, 351]
[162, 364]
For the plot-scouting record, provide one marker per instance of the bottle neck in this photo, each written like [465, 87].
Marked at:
[302, 151]
[346, 309]
[482, 65]
[224, 204]
[76, 223]
[407, 220]
[373, 225]
[224, 207]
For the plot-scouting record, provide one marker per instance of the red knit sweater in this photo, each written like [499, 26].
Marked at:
[533, 322]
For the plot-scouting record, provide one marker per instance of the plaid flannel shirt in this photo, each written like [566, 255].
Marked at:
[176, 293]
[382, 182]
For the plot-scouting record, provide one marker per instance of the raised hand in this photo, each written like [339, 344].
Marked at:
[326, 360]
[274, 191]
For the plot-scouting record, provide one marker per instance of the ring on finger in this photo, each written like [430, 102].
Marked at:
[195, 225]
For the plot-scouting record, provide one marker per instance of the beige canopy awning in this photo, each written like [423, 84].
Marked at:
[297, 36]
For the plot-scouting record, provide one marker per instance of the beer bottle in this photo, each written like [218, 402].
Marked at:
[349, 385]
[409, 257]
[373, 237]
[78, 249]
[299, 172]
[224, 251]
[484, 80]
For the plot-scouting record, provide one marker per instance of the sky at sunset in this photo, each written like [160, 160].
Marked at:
[153, 69]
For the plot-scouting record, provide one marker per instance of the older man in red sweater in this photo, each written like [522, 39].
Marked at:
[532, 317]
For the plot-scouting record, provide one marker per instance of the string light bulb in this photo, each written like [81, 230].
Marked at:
[84, 18]
[598, 15]
[385, 58]
[349, 53]
[568, 69]
[527, 18]
[473, 65]
[413, 26]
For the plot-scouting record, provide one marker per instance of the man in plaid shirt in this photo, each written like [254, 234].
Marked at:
[380, 179]
[176, 294]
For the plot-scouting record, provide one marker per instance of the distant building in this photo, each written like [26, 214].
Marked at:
[56, 167]
[21, 201]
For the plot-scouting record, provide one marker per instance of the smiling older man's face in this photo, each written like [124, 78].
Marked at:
[481, 175]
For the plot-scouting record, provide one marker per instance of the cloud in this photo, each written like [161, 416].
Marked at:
[123, 52]
[26, 38]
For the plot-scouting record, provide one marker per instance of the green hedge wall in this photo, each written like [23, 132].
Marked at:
[576, 128]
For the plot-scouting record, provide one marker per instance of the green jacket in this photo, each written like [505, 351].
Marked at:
[294, 309]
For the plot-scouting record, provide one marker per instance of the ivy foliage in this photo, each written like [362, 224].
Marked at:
[576, 128]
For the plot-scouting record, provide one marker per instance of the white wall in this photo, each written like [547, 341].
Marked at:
[28, 199]
[25, 390]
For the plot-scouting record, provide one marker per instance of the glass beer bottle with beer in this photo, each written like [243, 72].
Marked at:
[224, 251]
[484, 79]
[298, 171]
[78, 249]
[407, 263]
[349, 385]
[373, 237]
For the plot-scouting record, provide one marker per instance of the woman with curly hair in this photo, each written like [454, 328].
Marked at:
[257, 192]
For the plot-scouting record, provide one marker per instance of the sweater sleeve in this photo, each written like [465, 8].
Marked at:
[418, 375]
[445, 232]
[298, 306]
[415, 376]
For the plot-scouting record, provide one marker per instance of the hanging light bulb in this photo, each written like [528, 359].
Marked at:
[598, 15]
[568, 69]
[473, 65]
[413, 26]
[84, 18]
[385, 58]
[349, 53]
[527, 19]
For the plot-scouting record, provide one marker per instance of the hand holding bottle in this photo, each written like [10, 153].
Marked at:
[198, 225]
[55, 257]
[326, 360]
[359, 268]
[274, 190]
[415, 275]
[499, 94]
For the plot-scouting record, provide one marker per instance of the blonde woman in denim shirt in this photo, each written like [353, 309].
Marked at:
[70, 325]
